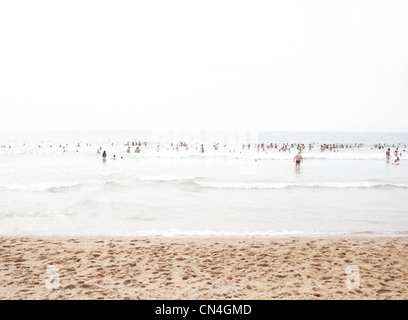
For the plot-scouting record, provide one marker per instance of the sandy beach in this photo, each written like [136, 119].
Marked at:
[202, 268]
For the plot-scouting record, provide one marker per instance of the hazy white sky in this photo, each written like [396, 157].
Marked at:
[271, 65]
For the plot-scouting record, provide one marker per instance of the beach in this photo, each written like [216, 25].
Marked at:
[56, 267]
[224, 217]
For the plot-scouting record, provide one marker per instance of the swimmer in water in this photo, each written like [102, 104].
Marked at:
[297, 159]
[396, 161]
[388, 154]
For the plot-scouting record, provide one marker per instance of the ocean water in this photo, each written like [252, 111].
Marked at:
[50, 186]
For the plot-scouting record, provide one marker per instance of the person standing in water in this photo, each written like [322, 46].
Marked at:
[104, 156]
[297, 159]
[388, 154]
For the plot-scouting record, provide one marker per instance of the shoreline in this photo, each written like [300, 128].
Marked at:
[356, 235]
[288, 267]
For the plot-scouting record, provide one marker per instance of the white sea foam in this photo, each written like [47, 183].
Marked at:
[165, 178]
[38, 186]
[283, 185]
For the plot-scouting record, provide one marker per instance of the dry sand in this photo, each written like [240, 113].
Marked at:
[203, 268]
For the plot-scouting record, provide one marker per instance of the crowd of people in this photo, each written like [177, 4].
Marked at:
[286, 147]
[136, 147]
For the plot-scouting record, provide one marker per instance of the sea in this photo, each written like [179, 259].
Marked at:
[56, 183]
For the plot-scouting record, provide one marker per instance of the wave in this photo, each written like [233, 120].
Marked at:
[261, 233]
[224, 233]
[166, 178]
[283, 185]
[236, 184]
[195, 233]
[230, 184]
[118, 181]
[51, 187]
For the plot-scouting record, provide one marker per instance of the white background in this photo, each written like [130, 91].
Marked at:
[209, 65]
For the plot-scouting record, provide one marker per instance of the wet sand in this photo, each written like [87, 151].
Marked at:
[203, 268]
